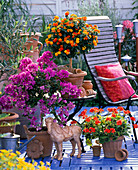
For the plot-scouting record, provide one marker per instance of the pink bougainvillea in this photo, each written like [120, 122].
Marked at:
[40, 84]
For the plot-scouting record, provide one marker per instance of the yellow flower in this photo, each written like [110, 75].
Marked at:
[83, 48]
[0, 92]
[49, 36]
[11, 164]
[48, 163]
[67, 41]
[77, 40]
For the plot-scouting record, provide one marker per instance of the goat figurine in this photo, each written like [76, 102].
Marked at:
[59, 134]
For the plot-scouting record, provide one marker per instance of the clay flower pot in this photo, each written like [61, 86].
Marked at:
[111, 147]
[12, 118]
[96, 150]
[87, 84]
[76, 79]
[40, 146]
[121, 155]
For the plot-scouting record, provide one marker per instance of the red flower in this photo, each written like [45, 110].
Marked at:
[132, 118]
[113, 115]
[112, 130]
[97, 122]
[88, 119]
[119, 122]
[107, 130]
[83, 112]
[108, 119]
[73, 122]
[95, 109]
[85, 130]
[120, 108]
[135, 126]
[95, 118]
[67, 13]
[92, 130]
[126, 112]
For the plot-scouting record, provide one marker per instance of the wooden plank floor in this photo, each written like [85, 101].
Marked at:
[88, 161]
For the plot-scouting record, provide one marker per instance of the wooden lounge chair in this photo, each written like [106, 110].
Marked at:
[104, 54]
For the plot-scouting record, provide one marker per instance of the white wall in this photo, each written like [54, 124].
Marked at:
[59, 7]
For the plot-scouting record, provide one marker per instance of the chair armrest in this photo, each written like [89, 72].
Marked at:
[131, 73]
[114, 79]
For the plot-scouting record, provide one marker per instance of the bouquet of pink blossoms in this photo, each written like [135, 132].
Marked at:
[39, 84]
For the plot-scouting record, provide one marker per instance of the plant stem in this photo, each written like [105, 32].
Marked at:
[70, 63]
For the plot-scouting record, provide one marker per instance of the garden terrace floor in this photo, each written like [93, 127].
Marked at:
[87, 161]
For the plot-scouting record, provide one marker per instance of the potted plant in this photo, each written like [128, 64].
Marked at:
[109, 129]
[39, 84]
[8, 121]
[67, 37]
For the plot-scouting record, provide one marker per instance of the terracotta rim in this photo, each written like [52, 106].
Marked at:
[14, 116]
[82, 74]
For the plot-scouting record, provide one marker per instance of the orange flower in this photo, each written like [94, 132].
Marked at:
[55, 40]
[60, 34]
[55, 24]
[59, 39]
[56, 17]
[67, 13]
[84, 18]
[119, 122]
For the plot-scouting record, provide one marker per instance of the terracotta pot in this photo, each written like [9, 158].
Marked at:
[111, 147]
[87, 84]
[34, 55]
[40, 146]
[76, 79]
[96, 150]
[12, 118]
[121, 155]
[32, 40]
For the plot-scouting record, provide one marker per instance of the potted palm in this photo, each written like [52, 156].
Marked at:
[67, 37]
[39, 85]
[110, 130]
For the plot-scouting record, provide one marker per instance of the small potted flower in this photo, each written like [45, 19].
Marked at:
[39, 84]
[69, 36]
[109, 129]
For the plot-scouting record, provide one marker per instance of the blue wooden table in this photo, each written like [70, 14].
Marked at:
[88, 161]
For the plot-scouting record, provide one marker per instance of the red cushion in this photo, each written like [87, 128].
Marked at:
[115, 90]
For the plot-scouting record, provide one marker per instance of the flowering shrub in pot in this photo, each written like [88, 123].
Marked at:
[107, 127]
[110, 129]
[69, 36]
[39, 84]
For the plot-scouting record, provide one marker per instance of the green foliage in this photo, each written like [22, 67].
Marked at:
[98, 8]
[14, 19]
[135, 2]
